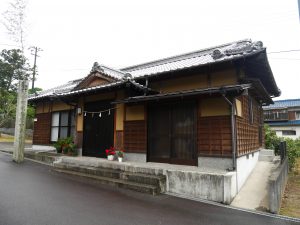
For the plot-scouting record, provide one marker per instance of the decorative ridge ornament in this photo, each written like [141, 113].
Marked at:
[237, 48]
[97, 68]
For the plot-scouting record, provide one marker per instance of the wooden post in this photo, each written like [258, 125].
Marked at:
[20, 125]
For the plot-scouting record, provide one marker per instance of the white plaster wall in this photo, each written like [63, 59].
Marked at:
[215, 163]
[280, 128]
[245, 165]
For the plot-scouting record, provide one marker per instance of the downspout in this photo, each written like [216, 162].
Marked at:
[233, 131]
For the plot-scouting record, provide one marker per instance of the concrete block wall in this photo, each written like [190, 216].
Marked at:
[277, 183]
[213, 187]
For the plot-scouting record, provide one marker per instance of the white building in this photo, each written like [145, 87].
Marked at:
[284, 117]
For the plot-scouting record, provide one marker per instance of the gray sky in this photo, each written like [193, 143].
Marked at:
[117, 33]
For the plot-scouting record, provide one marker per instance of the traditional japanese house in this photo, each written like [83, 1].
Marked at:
[202, 108]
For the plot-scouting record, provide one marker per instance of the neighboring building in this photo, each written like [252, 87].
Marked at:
[284, 117]
[202, 108]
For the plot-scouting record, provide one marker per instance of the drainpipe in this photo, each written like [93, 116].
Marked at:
[146, 84]
[233, 130]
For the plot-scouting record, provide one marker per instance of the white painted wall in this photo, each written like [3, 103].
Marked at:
[280, 128]
[245, 165]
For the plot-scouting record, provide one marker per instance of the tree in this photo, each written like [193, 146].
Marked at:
[14, 21]
[8, 102]
[11, 62]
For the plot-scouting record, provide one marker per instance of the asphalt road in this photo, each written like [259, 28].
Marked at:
[34, 194]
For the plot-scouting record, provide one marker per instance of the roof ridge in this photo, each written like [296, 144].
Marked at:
[165, 60]
[290, 99]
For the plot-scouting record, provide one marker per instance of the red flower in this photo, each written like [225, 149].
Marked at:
[110, 151]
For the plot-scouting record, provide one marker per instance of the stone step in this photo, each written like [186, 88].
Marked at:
[144, 188]
[158, 181]
[267, 152]
[266, 155]
[40, 156]
[266, 158]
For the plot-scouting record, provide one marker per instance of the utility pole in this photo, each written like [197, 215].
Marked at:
[34, 51]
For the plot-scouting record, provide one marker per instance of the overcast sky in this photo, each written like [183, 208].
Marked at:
[117, 33]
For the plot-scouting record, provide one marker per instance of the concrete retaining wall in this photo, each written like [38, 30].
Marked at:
[213, 187]
[277, 183]
[183, 180]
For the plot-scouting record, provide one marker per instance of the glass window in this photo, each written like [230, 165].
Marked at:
[62, 125]
[298, 115]
[288, 132]
[55, 119]
[54, 133]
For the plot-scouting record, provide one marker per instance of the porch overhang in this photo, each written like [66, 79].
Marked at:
[234, 90]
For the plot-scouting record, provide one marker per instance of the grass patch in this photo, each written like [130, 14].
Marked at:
[291, 199]
[8, 138]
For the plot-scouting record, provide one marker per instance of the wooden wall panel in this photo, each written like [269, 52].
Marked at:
[42, 130]
[214, 136]
[248, 134]
[135, 136]
[119, 143]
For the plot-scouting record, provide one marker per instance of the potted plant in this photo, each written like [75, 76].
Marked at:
[110, 153]
[120, 155]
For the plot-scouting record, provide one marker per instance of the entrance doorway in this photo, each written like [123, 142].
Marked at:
[172, 133]
[98, 132]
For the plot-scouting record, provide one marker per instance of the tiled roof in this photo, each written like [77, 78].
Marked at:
[108, 71]
[56, 90]
[215, 54]
[221, 53]
[286, 123]
[287, 103]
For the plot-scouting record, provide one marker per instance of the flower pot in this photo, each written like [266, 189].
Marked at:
[110, 157]
[120, 159]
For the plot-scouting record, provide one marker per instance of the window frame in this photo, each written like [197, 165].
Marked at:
[297, 115]
[293, 131]
[69, 125]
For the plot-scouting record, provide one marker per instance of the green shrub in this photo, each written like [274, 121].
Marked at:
[272, 141]
[66, 146]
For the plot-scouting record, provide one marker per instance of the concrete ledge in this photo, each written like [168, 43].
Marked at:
[43, 148]
[277, 182]
[185, 180]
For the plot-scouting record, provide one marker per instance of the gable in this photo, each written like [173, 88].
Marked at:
[94, 79]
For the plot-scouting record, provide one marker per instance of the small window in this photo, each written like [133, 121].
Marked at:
[298, 115]
[62, 125]
[288, 132]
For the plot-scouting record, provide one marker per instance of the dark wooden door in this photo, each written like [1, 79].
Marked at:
[172, 133]
[98, 132]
